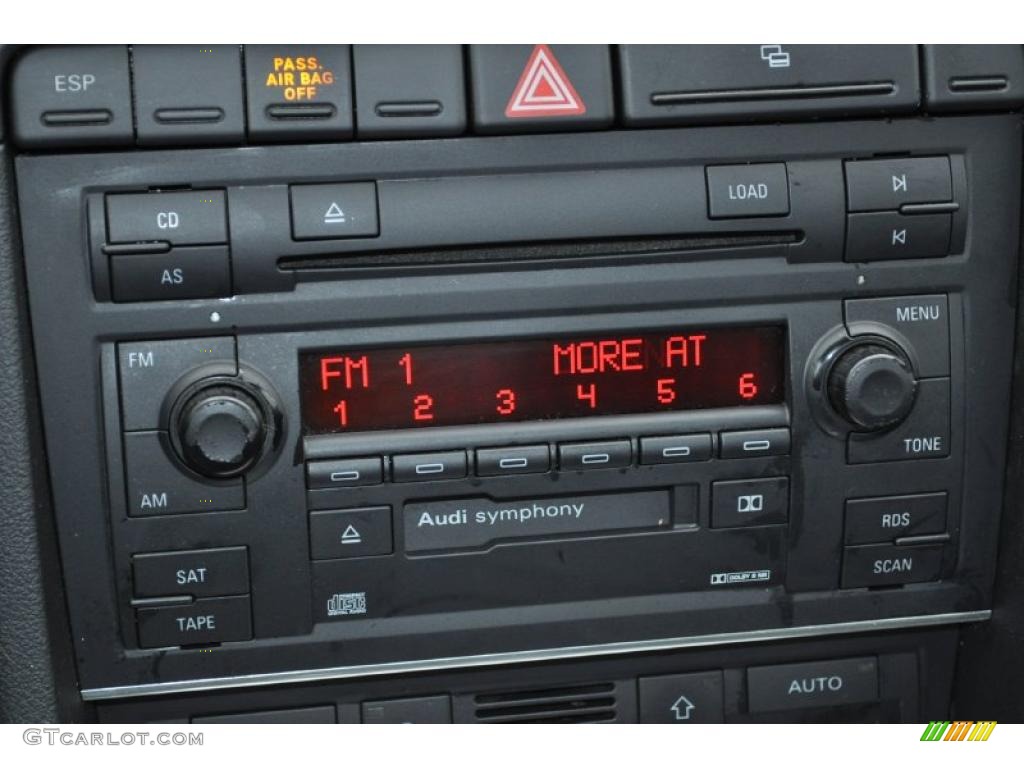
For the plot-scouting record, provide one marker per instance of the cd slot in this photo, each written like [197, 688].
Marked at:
[583, 252]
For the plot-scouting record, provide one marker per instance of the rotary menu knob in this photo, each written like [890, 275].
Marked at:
[872, 386]
[221, 430]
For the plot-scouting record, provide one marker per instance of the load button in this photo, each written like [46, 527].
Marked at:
[736, 191]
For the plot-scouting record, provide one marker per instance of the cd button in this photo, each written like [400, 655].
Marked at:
[613, 454]
[675, 449]
[344, 473]
[421, 467]
[754, 443]
[517, 460]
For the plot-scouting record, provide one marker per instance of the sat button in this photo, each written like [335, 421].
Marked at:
[198, 572]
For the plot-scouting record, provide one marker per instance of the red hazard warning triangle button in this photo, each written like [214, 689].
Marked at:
[541, 87]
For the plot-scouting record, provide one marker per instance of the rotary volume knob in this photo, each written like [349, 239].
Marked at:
[221, 430]
[872, 386]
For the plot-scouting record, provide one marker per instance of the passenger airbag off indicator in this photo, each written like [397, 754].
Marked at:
[299, 92]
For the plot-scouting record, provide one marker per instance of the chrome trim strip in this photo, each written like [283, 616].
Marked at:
[525, 657]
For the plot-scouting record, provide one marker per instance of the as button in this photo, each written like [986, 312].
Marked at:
[181, 273]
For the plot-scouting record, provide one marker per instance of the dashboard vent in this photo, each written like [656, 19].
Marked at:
[593, 703]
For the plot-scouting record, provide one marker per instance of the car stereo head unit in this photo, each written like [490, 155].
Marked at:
[526, 397]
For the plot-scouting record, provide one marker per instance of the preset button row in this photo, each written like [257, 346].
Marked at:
[535, 459]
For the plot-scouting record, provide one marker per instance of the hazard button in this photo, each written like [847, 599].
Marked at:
[334, 211]
[541, 87]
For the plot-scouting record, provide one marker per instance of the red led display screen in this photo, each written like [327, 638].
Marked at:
[356, 390]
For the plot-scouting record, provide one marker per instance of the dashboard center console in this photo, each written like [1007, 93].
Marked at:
[340, 410]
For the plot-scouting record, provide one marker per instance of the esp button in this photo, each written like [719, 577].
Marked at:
[179, 218]
[198, 572]
[72, 96]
